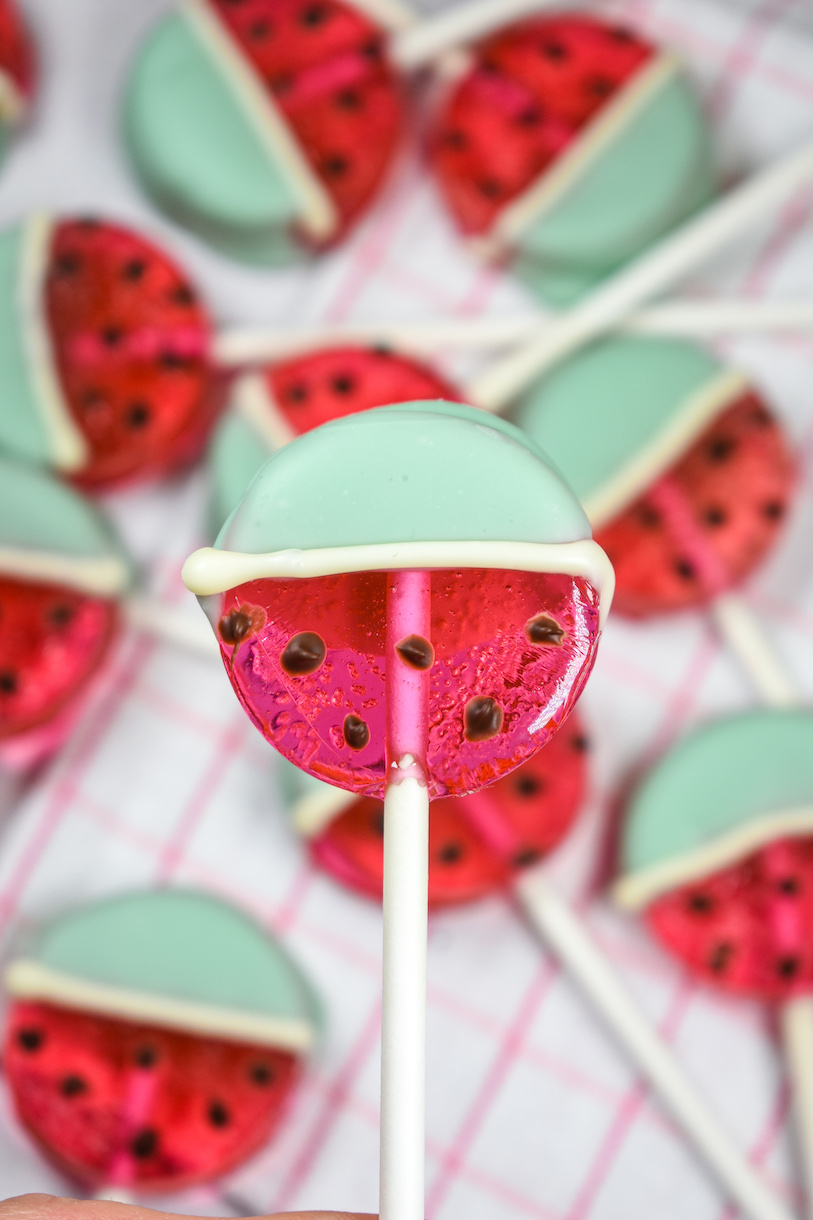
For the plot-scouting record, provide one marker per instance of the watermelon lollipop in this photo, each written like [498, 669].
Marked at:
[717, 854]
[291, 396]
[62, 574]
[408, 604]
[267, 126]
[154, 1040]
[104, 353]
[17, 72]
[682, 468]
[568, 146]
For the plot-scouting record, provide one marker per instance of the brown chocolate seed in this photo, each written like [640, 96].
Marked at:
[526, 856]
[145, 1144]
[304, 653]
[544, 630]
[356, 733]
[483, 718]
[416, 651]
[720, 957]
[234, 627]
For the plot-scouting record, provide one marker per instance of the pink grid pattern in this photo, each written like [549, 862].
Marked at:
[532, 1113]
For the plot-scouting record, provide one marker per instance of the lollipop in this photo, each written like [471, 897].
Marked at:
[154, 1040]
[537, 144]
[717, 853]
[291, 396]
[62, 574]
[104, 353]
[681, 467]
[17, 72]
[408, 605]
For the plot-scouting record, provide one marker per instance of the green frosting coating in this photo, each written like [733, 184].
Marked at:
[595, 412]
[721, 777]
[182, 945]
[427, 472]
[236, 453]
[22, 428]
[655, 172]
[38, 512]
[197, 153]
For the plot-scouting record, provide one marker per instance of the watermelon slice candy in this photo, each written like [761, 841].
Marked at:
[53, 641]
[476, 843]
[312, 675]
[705, 524]
[131, 344]
[324, 64]
[115, 1102]
[749, 927]
[534, 88]
[315, 388]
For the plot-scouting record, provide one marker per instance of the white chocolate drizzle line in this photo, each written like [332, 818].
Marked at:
[548, 189]
[101, 576]
[318, 217]
[12, 102]
[255, 403]
[677, 435]
[638, 889]
[28, 979]
[390, 13]
[67, 445]
[210, 570]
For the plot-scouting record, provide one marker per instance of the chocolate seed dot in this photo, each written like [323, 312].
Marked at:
[760, 418]
[544, 630]
[145, 1057]
[701, 904]
[527, 785]
[684, 569]
[313, 15]
[621, 34]
[720, 957]
[788, 885]
[483, 718]
[234, 627]
[555, 51]
[372, 49]
[343, 383]
[648, 516]
[172, 360]
[137, 415]
[281, 83]
[787, 967]
[356, 732]
[89, 223]
[134, 269]
[30, 1039]
[529, 118]
[416, 652]
[218, 1114]
[714, 515]
[773, 510]
[8, 682]
[182, 294]
[112, 336]
[261, 1074]
[600, 86]
[67, 264]
[92, 398]
[335, 164]
[259, 30]
[720, 449]
[525, 857]
[304, 653]
[490, 187]
[450, 853]
[72, 1086]
[377, 822]
[60, 614]
[349, 99]
[581, 743]
[145, 1144]
[455, 138]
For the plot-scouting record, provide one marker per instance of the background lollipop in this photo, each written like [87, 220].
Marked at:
[538, 141]
[717, 853]
[379, 646]
[104, 353]
[17, 72]
[154, 1039]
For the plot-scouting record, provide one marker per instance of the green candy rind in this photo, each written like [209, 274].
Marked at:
[22, 426]
[236, 454]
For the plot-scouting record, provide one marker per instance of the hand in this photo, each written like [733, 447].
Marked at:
[46, 1207]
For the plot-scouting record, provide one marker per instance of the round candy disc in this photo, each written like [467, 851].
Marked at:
[477, 843]
[60, 573]
[570, 145]
[17, 71]
[292, 396]
[104, 353]
[718, 852]
[154, 1039]
[681, 467]
[299, 578]
[265, 125]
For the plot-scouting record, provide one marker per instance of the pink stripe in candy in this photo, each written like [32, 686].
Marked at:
[408, 613]
[146, 343]
[142, 1085]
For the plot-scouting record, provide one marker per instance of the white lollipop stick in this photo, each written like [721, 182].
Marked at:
[797, 1040]
[417, 45]
[653, 273]
[172, 626]
[406, 879]
[566, 936]
[250, 345]
[745, 636]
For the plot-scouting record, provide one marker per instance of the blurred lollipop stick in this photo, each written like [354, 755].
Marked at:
[745, 635]
[796, 1017]
[170, 625]
[653, 273]
[569, 940]
[255, 345]
[417, 45]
